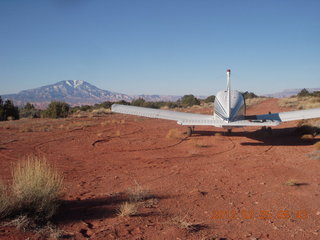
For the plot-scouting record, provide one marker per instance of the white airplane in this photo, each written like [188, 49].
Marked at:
[229, 112]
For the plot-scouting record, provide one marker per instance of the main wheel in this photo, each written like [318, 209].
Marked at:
[189, 131]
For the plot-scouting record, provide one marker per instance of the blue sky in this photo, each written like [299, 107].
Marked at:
[160, 47]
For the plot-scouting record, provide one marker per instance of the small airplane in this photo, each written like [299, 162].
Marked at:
[229, 112]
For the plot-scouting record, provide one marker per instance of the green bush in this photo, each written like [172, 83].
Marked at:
[57, 110]
[8, 110]
[189, 100]
[29, 111]
[248, 95]
[303, 93]
[138, 102]
[210, 99]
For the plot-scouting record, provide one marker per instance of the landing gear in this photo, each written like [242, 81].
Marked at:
[267, 130]
[190, 130]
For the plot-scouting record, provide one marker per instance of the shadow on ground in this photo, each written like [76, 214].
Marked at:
[95, 208]
[278, 137]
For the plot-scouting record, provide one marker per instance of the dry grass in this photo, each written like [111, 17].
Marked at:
[101, 111]
[306, 137]
[138, 193]
[300, 102]
[138, 197]
[32, 198]
[99, 134]
[182, 222]
[200, 143]
[317, 145]
[128, 209]
[315, 155]
[291, 182]
[218, 134]
[254, 101]
[174, 133]
[5, 201]
[36, 188]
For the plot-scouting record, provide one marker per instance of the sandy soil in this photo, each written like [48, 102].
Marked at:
[211, 185]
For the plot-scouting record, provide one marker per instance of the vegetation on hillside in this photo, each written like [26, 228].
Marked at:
[57, 109]
[305, 93]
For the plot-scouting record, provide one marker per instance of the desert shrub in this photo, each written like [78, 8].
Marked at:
[4, 201]
[315, 155]
[189, 100]
[172, 104]
[210, 99]
[174, 133]
[29, 111]
[316, 94]
[57, 110]
[32, 198]
[128, 209]
[248, 95]
[291, 182]
[152, 105]
[138, 193]
[8, 110]
[303, 93]
[85, 108]
[138, 102]
[106, 104]
[123, 102]
[36, 187]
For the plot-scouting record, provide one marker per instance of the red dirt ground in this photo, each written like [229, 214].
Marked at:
[220, 186]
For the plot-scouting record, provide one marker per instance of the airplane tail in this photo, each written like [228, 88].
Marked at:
[228, 93]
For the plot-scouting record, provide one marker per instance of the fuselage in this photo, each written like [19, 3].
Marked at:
[229, 106]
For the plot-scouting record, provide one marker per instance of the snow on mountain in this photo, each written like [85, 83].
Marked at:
[76, 92]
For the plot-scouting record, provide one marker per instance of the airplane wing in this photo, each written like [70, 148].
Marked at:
[286, 116]
[190, 119]
[181, 117]
[193, 119]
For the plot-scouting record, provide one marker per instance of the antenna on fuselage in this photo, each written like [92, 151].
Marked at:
[228, 93]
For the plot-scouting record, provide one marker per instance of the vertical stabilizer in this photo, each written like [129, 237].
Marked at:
[228, 94]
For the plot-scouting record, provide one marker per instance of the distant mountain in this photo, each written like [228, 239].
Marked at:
[75, 92]
[289, 92]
